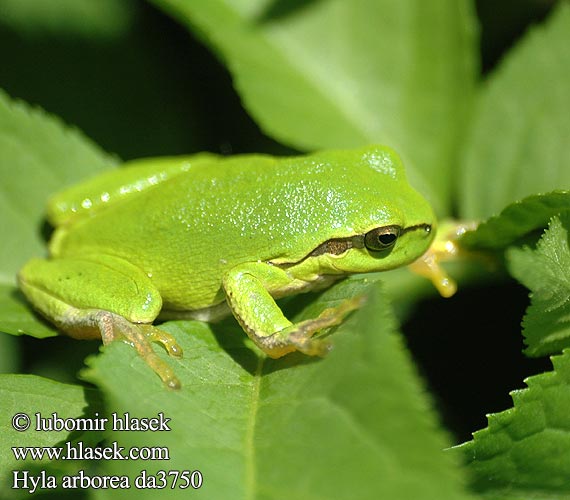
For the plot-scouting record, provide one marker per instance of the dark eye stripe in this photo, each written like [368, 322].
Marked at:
[380, 238]
[334, 247]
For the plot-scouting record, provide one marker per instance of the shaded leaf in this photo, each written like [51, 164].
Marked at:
[546, 272]
[29, 394]
[9, 354]
[523, 453]
[517, 220]
[17, 318]
[518, 143]
[104, 18]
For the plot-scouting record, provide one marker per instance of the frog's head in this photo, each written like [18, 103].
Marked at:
[379, 221]
[387, 245]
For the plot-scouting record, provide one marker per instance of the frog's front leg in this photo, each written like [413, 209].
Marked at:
[101, 297]
[249, 288]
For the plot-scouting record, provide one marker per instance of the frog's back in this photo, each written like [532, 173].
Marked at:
[115, 185]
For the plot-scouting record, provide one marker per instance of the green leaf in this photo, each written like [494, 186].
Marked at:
[546, 272]
[330, 74]
[518, 144]
[107, 18]
[517, 220]
[353, 425]
[40, 155]
[9, 354]
[29, 394]
[523, 453]
[17, 318]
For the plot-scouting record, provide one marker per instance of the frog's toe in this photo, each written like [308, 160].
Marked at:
[310, 347]
[295, 338]
[162, 369]
[167, 341]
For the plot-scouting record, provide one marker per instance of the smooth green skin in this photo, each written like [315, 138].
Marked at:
[185, 236]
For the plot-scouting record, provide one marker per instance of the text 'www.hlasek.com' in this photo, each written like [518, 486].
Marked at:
[36, 479]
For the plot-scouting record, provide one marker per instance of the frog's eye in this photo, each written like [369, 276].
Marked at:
[381, 238]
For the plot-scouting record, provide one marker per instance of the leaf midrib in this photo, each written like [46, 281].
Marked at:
[249, 447]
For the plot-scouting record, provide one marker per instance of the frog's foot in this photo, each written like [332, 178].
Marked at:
[444, 248]
[428, 266]
[90, 323]
[115, 327]
[297, 337]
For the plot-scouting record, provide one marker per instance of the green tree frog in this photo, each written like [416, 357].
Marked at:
[198, 236]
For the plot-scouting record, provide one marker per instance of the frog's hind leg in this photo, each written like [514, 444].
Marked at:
[107, 298]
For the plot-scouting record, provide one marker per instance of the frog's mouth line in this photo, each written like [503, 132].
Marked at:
[338, 246]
